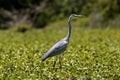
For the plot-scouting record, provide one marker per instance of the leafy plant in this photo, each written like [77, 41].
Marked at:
[91, 54]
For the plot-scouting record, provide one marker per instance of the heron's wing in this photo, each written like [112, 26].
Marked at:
[56, 49]
[60, 45]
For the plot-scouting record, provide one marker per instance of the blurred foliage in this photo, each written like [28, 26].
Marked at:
[42, 12]
[17, 4]
[21, 27]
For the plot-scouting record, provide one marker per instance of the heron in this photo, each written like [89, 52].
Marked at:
[61, 45]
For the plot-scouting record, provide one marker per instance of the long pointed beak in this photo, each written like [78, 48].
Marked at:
[80, 16]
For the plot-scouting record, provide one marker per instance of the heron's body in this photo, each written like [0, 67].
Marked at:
[57, 49]
[60, 46]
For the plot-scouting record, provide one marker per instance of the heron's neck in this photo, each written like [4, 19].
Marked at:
[69, 29]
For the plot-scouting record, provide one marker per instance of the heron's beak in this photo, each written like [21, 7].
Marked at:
[80, 16]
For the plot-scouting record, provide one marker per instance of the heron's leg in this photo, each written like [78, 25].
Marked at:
[59, 57]
[54, 63]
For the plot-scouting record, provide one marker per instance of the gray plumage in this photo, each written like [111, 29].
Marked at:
[58, 48]
[61, 45]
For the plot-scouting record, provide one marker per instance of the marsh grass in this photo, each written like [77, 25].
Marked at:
[92, 54]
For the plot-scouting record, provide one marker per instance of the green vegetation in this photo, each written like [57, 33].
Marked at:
[92, 54]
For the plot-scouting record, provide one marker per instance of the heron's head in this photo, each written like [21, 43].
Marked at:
[75, 15]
